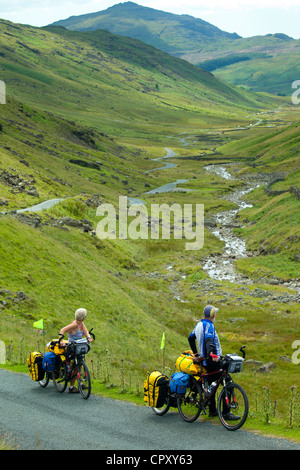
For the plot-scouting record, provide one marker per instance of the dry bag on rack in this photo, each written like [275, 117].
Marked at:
[53, 346]
[35, 365]
[185, 364]
[156, 389]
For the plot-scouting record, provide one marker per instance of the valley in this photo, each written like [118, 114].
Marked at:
[92, 116]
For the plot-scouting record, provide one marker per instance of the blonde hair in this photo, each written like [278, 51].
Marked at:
[80, 314]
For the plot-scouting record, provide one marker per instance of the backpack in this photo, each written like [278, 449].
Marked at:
[35, 365]
[156, 389]
[49, 361]
[179, 382]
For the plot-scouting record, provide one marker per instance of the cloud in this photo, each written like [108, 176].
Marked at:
[228, 5]
[200, 7]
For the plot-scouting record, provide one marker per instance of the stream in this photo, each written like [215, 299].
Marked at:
[221, 266]
[166, 188]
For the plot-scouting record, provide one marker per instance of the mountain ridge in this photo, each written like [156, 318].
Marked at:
[151, 26]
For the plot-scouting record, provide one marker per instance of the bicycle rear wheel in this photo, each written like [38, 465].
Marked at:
[233, 406]
[59, 377]
[189, 404]
[84, 380]
[43, 383]
[163, 409]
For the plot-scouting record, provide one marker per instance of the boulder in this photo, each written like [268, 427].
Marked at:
[266, 368]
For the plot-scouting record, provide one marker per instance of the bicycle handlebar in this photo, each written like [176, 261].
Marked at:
[214, 356]
[221, 357]
[243, 352]
[90, 333]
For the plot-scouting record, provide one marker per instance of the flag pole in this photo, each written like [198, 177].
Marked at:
[162, 346]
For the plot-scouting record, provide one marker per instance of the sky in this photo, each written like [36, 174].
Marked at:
[244, 17]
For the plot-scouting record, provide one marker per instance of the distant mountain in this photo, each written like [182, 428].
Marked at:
[166, 31]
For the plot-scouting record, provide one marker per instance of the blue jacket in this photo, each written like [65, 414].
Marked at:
[207, 339]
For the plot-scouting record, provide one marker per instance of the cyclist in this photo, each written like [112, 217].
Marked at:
[76, 330]
[209, 347]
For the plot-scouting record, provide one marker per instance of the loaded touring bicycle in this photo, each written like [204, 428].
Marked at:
[191, 388]
[61, 363]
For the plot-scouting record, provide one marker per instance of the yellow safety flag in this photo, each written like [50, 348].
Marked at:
[39, 324]
[162, 344]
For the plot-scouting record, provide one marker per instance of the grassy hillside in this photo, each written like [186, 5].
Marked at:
[118, 85]
[257, 74]
[45, 157]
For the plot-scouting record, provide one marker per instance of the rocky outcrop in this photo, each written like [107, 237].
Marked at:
[296, 191]
[275, 177]
[19, 184]
[94, 165]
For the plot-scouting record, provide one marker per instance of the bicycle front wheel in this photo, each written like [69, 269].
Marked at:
[59, 377]
[84, 380]
[189, 404]
[233, 406]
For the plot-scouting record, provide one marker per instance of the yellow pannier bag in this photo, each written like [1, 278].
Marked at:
[35, 366]
[156, 389]
[185, 364]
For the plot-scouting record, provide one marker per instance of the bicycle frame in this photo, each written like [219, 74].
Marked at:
[224, 374]
[74, 361]
[207, 395]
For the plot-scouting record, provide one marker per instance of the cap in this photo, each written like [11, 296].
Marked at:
[209, 311]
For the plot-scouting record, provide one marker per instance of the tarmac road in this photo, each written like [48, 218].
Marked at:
[42, 419]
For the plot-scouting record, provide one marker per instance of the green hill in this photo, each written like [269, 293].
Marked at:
[166, 31]
[263, 63]
[117, 84]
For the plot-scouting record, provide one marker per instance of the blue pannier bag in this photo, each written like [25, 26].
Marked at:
[49, 360]
[179, 382]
